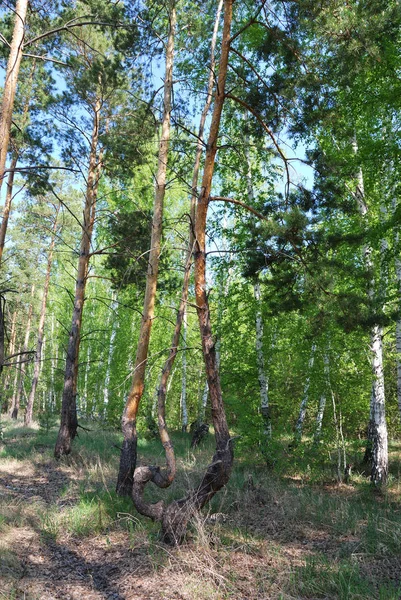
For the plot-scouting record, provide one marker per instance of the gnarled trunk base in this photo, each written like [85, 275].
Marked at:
[128, 455]
[175, 517]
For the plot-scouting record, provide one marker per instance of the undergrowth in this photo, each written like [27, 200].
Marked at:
[268, 534]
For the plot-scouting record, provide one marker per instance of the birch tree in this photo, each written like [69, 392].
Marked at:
[41, 328]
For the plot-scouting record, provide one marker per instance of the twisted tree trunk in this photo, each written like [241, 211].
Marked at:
[174, 518]
[128, 421]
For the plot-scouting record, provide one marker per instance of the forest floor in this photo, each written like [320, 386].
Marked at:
[64, 534]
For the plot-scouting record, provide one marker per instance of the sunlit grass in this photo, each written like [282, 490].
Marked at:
[263, 512]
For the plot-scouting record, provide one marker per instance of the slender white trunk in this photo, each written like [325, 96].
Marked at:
[11, 351]
[305, 399]
[263, 382]
[377, 449]
[183, 402]
[53, 367]
[114, 307]
[22, 360]
[205, 396]
[84, 400]
[378, 425]
[322, 401]
[260, 358]
[398, 323]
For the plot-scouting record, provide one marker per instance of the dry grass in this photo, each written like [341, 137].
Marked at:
[65, 534]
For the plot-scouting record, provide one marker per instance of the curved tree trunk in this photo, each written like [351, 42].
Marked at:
[175, 517]
[41, 328]
[128, 421]
[10, 84]
[69, 421]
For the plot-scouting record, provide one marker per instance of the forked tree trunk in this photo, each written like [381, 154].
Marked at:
[41, 328]
[69, 420]
[10, 83]
[22, 362]
[377, 445]
[128, 421]
[305, 399]
[175, 517]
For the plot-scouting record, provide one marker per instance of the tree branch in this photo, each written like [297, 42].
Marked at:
[246, 206]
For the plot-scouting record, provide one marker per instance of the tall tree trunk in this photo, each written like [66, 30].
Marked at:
[322, 401]
[22, 361]
[183, 399]
[54, 363]
[377, 445]
[263, 383]
[69, 421]
[10, 83]
[398, 323]
[11, 351]
[15, 384]
[41, 328]
[128, 421]
[7, 204]
[305, 399]
[175, 517]
[109, 357]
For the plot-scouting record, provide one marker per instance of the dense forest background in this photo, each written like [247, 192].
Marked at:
[304, 292]
[201, 232]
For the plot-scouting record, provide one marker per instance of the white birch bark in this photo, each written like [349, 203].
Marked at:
[113, 334]
[398, 323]
[11, 351]
[305, 399]
[22, 360]
[377, 429]
[322, 400]
[262, 378]
[183, 400]
[260, 358]
[54, 362]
